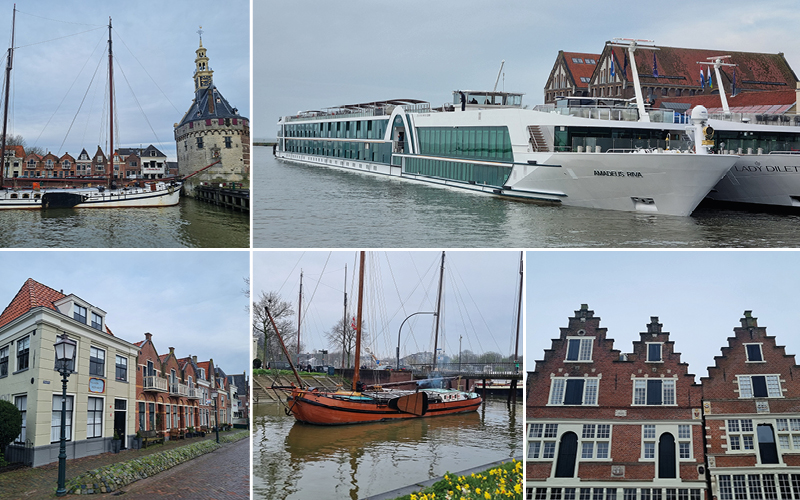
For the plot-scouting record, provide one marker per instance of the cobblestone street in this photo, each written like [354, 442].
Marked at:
[40, 482]
[221, 475]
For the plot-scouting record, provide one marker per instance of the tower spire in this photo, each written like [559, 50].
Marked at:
[203, 74]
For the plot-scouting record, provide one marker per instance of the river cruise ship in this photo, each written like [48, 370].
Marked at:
[486, 142]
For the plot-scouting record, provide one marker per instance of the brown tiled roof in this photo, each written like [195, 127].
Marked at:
[32, 294]
[678, 66]
[579, 70]
[139, 344]
[19, 151]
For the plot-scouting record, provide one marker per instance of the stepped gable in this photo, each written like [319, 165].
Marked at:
[721, 390]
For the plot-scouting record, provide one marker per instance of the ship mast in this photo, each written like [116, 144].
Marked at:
[358, 319]
[512, 396]
[299, 315]
[438, 313]
[110, 170]
[5, 101]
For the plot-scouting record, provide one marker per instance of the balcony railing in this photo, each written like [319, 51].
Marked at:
[193, 393]
[154, 383]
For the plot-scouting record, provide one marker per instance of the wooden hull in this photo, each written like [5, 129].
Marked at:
[160, 195]
[326, 408]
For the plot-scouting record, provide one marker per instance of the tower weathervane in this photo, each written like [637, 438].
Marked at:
[200, 32]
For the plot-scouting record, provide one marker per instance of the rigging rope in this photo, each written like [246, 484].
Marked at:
[59, 38]
[61, 21]
[159, 141]
[82, 100]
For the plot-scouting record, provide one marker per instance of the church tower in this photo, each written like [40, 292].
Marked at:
[212, 132]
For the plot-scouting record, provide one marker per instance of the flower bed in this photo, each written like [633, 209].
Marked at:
[501, 482]
[113, 477]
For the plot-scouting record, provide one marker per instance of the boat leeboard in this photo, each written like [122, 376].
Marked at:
[416, 404]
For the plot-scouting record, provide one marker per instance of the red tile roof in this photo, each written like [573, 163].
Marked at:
[32, 294]
[19, 151]
[678, 66]
[583, 69]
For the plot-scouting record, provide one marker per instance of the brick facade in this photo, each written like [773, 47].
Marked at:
[603, 425]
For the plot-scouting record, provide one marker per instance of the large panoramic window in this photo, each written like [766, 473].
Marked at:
[479, 143]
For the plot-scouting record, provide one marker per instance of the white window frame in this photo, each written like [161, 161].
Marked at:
[583, 342]
[739, 432]
[660, 352]
[101, 351]
[745, 383]
[21, 402]
[55, 431]
[541, 436]
[665, 382]
[94, 428]
[747, 353]
[558, 390]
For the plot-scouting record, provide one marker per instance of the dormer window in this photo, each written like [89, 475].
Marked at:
[97, 321]
[654, 352]
[80, 314]
[754, 354]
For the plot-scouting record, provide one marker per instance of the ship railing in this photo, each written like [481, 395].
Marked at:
[758, 118]
[341, 113]
[618, 145]
[473, 370]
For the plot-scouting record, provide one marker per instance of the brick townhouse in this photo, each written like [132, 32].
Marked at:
[603, 425]
[751, 406]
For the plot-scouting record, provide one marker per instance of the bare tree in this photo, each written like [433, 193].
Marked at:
[282, 313]
[343, 336]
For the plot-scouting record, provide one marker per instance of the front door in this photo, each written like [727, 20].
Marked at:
[120, 407]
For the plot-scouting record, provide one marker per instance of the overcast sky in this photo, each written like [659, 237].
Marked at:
[479, 296]
[698, 296]
[361, 50]
[154, 46]
[188, 300]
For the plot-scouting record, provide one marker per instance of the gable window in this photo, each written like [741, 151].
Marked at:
[4, 361]
[80, 314]
[574, 391]
[754, 354]
[150, 369]
[579, 349]
[759, 386]
[97, 361]
[97, 321]
[122, 368]
[654, 352]
[23, 353]
[653, 391]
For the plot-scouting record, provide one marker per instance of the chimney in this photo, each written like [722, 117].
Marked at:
[749, 320]
[194, 359]
[148, 335]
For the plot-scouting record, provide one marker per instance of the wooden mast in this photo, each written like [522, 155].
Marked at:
[358, 319]
[110, 170]
[299, 315]
[438, 313]
[512, 396]
[5, 101]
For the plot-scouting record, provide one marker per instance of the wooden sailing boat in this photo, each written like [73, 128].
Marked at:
[152, 194]
[315, 406]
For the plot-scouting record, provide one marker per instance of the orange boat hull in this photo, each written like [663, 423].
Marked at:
[320, 408]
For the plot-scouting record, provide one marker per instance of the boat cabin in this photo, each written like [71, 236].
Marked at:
[474, 99]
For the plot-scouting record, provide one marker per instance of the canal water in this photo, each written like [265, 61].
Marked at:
[299, 206]
[191, 224]
[297, 461]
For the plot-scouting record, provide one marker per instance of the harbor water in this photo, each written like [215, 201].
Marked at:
[297, 461]
[191, 224]
[303, 206]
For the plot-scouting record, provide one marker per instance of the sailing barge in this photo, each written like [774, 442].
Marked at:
[357, 406]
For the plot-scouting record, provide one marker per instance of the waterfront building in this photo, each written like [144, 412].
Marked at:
[603, 425]
[212, 130]
[98, 392]
[752, 417]
[83, 164]
[571, 75]
[241, 396]
[673, 72]
[13, 161]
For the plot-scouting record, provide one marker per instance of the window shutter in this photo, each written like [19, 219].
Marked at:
[574, 394]
[654, 392]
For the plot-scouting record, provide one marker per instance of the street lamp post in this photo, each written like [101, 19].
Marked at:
[401, 329]
[215, 395]
[64, 364]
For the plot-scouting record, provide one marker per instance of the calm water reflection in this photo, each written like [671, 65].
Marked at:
[296, 461]
[189, 224]
[299, 206]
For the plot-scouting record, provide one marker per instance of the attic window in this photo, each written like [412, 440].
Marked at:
[754, 354]
[577, 60]
[590, 61]
[579, 349]
[654, 352]
[585, 79]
